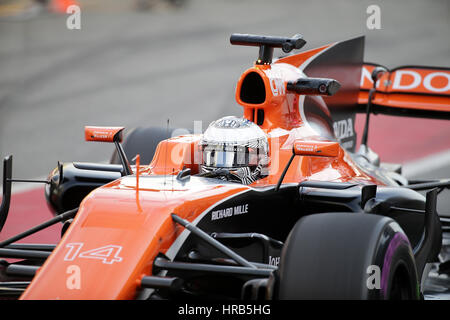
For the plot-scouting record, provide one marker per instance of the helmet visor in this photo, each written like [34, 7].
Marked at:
[222, 156]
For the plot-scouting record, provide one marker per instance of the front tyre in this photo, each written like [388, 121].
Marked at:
[349, 256]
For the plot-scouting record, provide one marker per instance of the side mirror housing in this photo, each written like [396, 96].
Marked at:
[103, 134]
[110, 134]
[310, 148]
[316, 148]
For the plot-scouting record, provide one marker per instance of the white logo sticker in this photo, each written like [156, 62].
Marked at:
[274, 261]
[229, 212]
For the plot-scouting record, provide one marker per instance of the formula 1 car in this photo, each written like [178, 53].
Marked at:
[316, 220]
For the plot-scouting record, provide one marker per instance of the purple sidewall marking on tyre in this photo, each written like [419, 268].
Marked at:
[393, 245]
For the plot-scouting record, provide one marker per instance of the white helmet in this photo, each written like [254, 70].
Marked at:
[235, 144]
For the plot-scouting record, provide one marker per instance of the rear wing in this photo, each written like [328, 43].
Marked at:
[415, 91]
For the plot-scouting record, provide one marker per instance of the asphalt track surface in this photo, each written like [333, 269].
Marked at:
[132, 68]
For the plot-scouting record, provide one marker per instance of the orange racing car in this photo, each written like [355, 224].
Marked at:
[276, 204]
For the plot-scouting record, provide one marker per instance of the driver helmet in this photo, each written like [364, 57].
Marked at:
[236, 145]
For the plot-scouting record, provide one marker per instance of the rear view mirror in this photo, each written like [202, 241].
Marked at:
[110, 134]
[103, 134]
[316, 148]
[310, 148]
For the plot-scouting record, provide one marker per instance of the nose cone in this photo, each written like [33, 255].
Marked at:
[117, 233]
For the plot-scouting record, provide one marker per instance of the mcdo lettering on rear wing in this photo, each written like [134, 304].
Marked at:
[409, 91]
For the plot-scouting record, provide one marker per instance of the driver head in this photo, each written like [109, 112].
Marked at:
[236, 144]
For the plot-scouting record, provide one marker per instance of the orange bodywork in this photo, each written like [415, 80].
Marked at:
[137, 226]
[316, 148]
[119, 228]
[102, 134]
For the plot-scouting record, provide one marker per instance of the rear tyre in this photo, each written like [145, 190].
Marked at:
[346, 256]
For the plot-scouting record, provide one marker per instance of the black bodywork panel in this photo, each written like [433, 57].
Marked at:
[258, 234]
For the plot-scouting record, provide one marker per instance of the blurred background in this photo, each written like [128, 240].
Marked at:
[141, 62]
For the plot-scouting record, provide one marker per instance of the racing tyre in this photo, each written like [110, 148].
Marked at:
[143, 141]
[351, 256]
